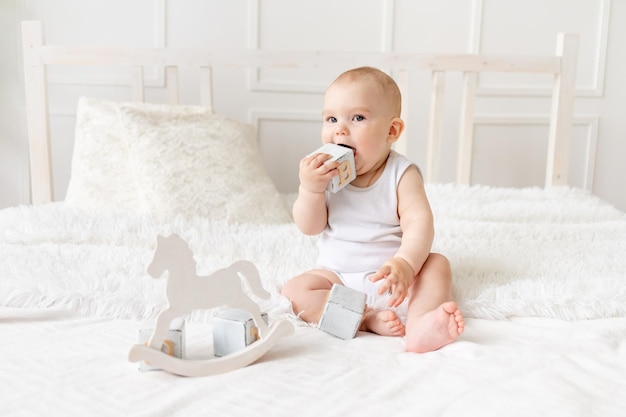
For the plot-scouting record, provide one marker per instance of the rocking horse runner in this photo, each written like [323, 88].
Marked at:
[186, 292]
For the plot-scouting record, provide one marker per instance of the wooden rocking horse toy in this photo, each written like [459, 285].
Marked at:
[186, 292]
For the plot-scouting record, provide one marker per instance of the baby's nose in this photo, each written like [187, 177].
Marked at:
[341, 129]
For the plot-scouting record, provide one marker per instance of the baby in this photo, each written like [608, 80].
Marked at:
[377, 232]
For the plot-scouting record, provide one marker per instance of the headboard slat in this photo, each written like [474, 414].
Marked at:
[562, 111]
[136, 84]
[37, 114]
[466, 129]
[206, 87]
[402, 79]
[171, 83]
[254, 58]
[435, 122]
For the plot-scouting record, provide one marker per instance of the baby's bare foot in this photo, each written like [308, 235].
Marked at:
[382, 322]
[434, 329]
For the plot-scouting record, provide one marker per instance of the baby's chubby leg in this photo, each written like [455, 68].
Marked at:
[309, 292]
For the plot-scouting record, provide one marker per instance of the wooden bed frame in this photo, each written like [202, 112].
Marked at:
[38, 56]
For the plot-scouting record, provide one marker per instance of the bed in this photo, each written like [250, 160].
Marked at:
[539, 272]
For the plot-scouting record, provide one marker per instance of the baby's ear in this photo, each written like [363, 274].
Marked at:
[395, 129]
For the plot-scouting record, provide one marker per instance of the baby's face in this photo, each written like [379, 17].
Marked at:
[356, 114]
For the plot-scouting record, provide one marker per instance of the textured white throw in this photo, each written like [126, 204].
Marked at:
[555, 253]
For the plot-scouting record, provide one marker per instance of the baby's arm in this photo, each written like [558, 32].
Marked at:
[309, 210]
[416, 221]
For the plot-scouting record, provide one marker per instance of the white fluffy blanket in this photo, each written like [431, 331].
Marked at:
[556, 253]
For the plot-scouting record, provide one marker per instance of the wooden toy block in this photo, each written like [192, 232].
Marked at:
[343, 312]
[347, 171]
[173, 345]
[233, 330]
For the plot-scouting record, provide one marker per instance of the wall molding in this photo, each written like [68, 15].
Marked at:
[254, 77]
[476, 27]
[254, 74]
[389, 22]
[596, 89]
[154, 76]
[256, 116]
[590, 121]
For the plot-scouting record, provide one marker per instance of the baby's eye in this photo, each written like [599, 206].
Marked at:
[331, 119]
[358, 118]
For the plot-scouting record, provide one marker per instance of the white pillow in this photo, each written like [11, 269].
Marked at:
[199, 165]
[101, 177]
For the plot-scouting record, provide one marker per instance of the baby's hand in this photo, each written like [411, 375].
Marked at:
[315, 174]
[398, 276]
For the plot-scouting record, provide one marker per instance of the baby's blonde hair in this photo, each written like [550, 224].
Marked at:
[388, 86]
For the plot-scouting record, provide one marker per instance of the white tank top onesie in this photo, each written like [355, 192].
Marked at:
[363, 228]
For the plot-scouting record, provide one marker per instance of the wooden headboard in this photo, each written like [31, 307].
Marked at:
[38, 56]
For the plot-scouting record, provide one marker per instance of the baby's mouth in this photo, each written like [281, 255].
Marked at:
[349, 147]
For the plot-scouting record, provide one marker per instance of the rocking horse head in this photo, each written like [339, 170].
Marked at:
[171, 252]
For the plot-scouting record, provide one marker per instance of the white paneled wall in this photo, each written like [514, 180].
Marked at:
[285, 105]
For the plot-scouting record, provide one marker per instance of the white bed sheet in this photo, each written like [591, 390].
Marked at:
[539, 274]
[57, 363]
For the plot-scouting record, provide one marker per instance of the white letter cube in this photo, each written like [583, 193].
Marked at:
[233, 330]
[343, 312]
[347, 169]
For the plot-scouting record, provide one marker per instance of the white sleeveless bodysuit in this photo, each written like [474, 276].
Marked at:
[363, 228]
